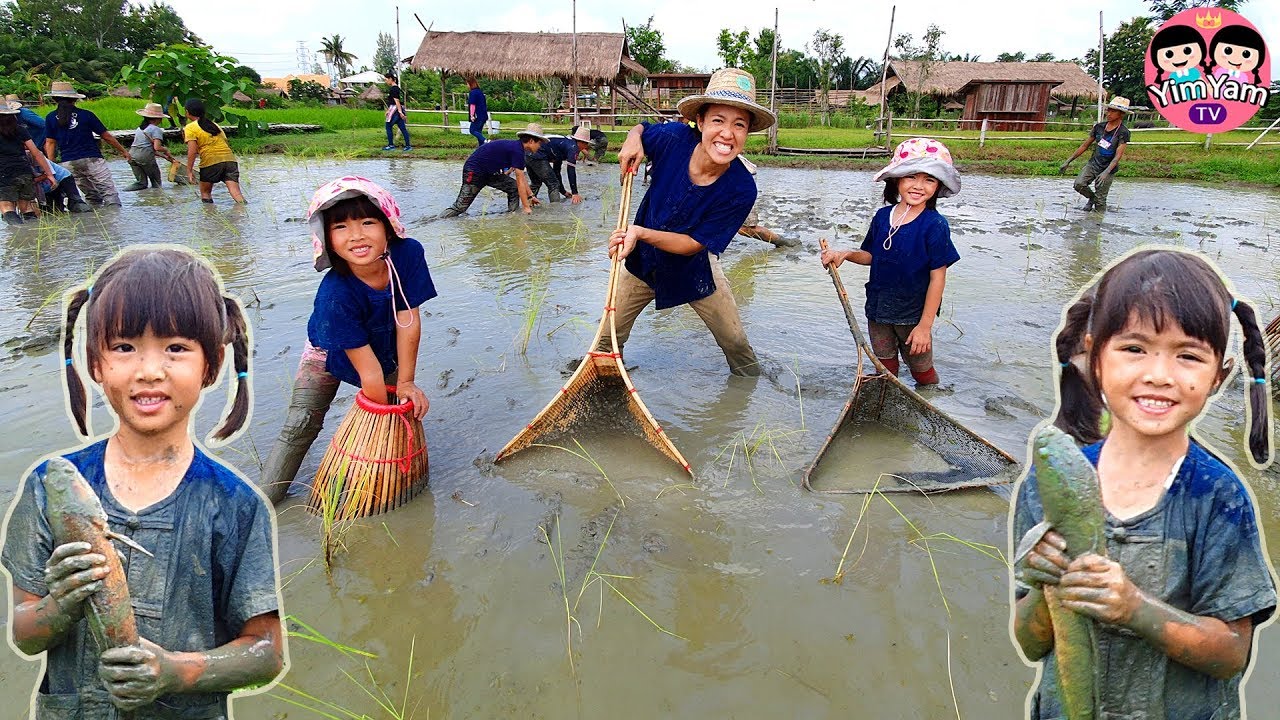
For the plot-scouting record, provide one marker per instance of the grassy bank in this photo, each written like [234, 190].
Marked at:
[358, 133]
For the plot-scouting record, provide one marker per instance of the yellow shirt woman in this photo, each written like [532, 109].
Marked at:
[213, 149]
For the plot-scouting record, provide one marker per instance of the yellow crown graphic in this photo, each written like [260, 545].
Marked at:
[1209, 21]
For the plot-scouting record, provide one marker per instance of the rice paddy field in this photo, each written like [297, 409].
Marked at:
[596, 578]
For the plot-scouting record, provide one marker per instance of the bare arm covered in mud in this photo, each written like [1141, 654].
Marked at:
[135, 676]
[408, 337]
[372, 382]
[72, 574]
[527, 201]
[674, 243]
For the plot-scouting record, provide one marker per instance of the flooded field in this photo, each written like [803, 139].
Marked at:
[540, 588]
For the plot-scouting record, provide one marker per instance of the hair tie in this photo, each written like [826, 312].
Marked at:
[68, 362]
[88, 291]
[1234, 302]
[242, 374]
[1260, 381]
[1065, 364]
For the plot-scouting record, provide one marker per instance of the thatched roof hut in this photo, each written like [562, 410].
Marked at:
[373, 93]
[603, 58]
[946, 79]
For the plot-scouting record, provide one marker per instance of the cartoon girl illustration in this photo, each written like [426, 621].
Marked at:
[1238, 51]
[1178, 51]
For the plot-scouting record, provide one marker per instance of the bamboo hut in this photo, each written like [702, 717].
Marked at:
[603, 59]
[677, 87]
[1020, 85]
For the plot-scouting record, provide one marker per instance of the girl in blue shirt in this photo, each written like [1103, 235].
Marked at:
[1185, 581]
[364, 329]
[908, 247]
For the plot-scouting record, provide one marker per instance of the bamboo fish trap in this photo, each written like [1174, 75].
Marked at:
[599, 384]
[879, 397]
[376, 461]
[1272, 334]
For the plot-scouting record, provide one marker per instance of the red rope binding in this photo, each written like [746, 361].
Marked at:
[403, 410]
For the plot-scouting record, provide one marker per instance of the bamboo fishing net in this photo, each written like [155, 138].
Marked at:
[376, 461]
[1272, 334]
[880, 398]
[594, 394]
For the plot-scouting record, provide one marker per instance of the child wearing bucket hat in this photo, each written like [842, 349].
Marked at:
[699, 197]
[147, 143]
[16, 155]
[544, 165]
[70, 130]
[1111, 138]
[365, 326]
[909, 249]
[492, 165]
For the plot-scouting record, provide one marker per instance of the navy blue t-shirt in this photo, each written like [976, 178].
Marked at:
[709, 214]
[495, 156]
[349, 314]
[558, 148]
[214, 569]
[476, 97]
[76, 141]
[1200, 550]
[900, 275]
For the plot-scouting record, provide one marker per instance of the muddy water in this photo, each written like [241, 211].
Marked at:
[458, 596]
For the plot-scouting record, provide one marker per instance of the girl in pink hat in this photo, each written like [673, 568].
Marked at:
[365, 328]
[908, 247]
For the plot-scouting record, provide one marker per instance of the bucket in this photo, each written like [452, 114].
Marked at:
[494, 127]
[464, 127]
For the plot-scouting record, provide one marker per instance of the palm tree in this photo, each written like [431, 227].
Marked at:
[332, 50]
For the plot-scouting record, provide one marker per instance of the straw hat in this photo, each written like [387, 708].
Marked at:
[1119, 102]
[63, 89]
[583, 134]
[10, 108]
[927, 156]
[729, 86]
[13, 99]
[343, 188]
[152, 110]
[533, 130]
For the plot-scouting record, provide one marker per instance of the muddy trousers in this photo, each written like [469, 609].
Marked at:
[718, 310]
[313, 392]
[542, 172]
[1089, 175]
[473, 183]
[142, 161]
[93, 177]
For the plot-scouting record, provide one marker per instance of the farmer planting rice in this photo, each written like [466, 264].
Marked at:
[201, 566]
[1111, 137]
[492, 165]
[1184, 581]
[544, 165]
[698, 200]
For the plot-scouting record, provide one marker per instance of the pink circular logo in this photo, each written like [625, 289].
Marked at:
[1207, 70]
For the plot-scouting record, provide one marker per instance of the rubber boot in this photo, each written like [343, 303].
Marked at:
[135, 187]
[928, 377]
[12, 218]
[80, 207]
[890, 364]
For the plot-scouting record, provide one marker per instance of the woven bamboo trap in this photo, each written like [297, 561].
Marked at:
[879, 398]
[1272, 335]
[595, 394]
[376, 461]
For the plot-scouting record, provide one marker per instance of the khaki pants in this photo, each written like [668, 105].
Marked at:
[1088, 174]
[719, 311]
[93, 177]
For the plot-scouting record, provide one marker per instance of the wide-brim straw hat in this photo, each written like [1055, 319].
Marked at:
[1119, 102]
[583, 134]
[152, 110]
[13, 99]
[336, 191]
[923, 155]
[729, 86]
[533, 130]
[10, 108]
[63, 89]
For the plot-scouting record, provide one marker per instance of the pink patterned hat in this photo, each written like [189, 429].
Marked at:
[341, 189]
[927, 156]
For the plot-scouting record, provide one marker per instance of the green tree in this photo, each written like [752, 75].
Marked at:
[929, 53]
[384, 57]
[184, 72]
[734, 49]
[648, 48]
[1019, 56]
[331, 48]
[828, 47]
[1125, 53]
[1162, 10]
[307, 90]
[1044, 57]
[156, 24]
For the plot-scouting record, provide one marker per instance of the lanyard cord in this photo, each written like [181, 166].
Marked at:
[394, 281]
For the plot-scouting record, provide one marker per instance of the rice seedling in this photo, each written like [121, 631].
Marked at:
[535, 298]
[762, 438]
[582, 454]
[333, 530]
[372, 688]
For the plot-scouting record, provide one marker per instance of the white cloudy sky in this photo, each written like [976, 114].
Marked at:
[265, 35]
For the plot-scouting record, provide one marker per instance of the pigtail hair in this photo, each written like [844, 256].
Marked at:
[1255, 358]
[75, 386]
[1079, 404]
[238, 337]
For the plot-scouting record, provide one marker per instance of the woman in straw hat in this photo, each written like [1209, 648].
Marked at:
[1111, 137]
[544, 165]
[147, 143]
[16, 153]
[489, 166]
[70, 129]
[697, 201]
[30, 120]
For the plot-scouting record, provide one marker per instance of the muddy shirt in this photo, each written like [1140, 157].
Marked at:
[76, 141]
[710, 214]
[1106, 143]
[349, 314]
[900, 275]
[494, 157]
[214, 569]
[1200, 550]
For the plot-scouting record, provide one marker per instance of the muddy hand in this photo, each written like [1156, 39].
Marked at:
[138, 674]
[1063, 167]
[72, 574]
[1098, 587]
[1041, 556]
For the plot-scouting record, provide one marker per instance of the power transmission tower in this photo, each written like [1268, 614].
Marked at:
[304, 57]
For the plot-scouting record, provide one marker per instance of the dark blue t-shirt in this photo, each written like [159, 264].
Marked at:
[900, 275]
[349, 314]
[214, 569]
[495, 156]
[76, 141]
[710, 214]
[558, 149]
[1200, 550]
[476, 97]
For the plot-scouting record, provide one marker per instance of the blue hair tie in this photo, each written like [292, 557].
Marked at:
[1260, 381]
[242, 374]
[88, 291]
[1234, 302]
[1065, 364]
[68, 362]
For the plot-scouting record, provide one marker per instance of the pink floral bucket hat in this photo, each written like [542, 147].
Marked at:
[343, 188]
[922, 155]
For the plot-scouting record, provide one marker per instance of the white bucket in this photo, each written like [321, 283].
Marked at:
[464, 127]
[494, 127]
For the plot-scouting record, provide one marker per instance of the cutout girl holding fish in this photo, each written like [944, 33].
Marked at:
[185, 609]
[1179, 581]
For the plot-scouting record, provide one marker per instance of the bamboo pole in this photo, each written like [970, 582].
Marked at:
[773, 88]
[884, 76]
[1102, 41]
